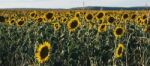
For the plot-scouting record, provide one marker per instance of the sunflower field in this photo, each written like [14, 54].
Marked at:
[36, 37]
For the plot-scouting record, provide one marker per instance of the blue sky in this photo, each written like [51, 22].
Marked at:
[70, 3]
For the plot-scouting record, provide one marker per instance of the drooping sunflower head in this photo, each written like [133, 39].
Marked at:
[73, 24]
[119, 51]
[118, 32]
[102, 27]
[43, 52]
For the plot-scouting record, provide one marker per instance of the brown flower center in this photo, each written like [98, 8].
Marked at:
[119, 31]
[44, 52]
[74, 23]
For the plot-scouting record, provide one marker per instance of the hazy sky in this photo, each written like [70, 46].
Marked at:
[70, 3]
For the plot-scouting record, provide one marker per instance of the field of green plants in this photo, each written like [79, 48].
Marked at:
[30, 37]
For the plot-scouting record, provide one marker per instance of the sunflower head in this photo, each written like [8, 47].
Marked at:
[102, 27]
[100, 15]
[43, 52]
[125, 16]
[64, 20]
[20, 22]
[111, 19]
[58, 18]
[144, 16]
[2, 19]
[56, 26]
[119, 51]
[133, 16]
[89, 17]
[49, 15]
[118, 32]
[11, 21]
[73, 24]
[40, 19]
[77, 14]
[33, 14]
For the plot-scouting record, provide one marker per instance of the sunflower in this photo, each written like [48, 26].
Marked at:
[12, 21]
[43, 52]
[58, 18]
[77, 14]
[64, 20]
[100, 21]
[125, 16]
[144, 17]
[102, 27]
[133, 16]
[100, 15]
[56, 26]
[21, 22]
[138, 20]
[40, 19]
[49, 15]
[89, 17]
[111, 19]
[33, 14]
[118, 32]
[119, 51]
[2, 19]
[12, 16]
[142, 23]
[73, 24]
